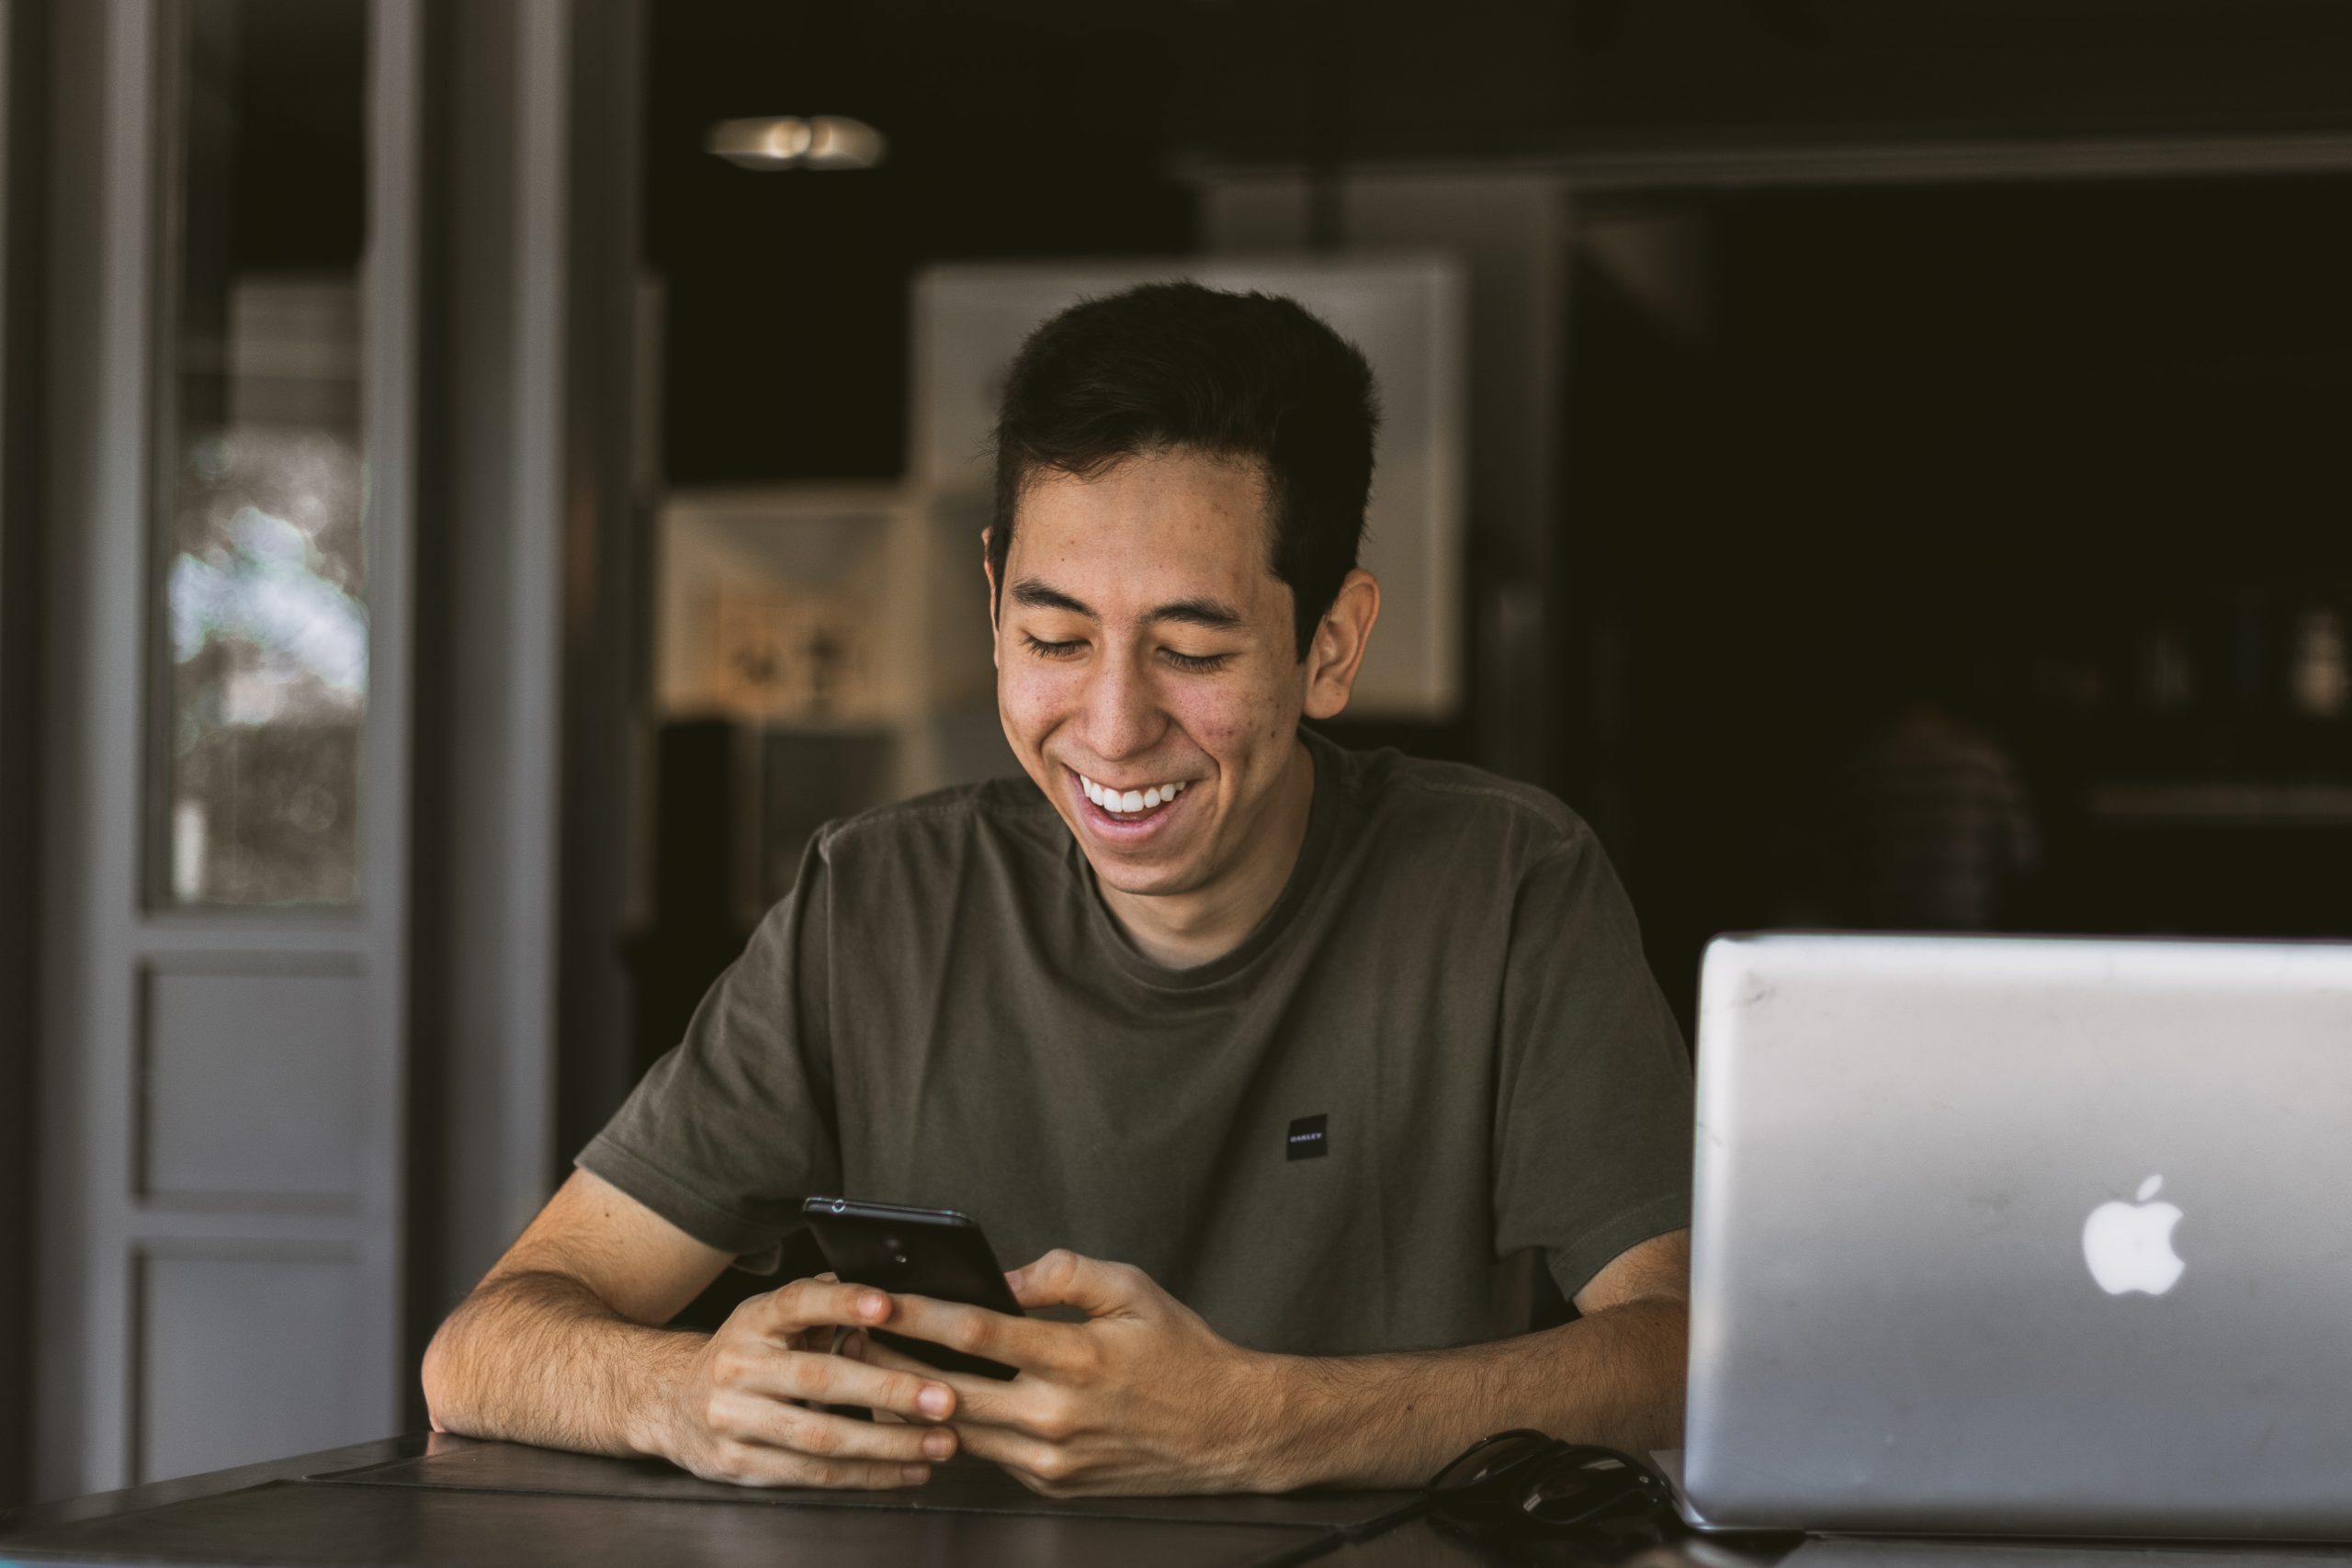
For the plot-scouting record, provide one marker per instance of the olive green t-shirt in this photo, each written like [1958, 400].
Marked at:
[944, 1013]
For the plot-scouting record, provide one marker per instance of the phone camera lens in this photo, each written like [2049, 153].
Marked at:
[838, 1205]
[901, 1258]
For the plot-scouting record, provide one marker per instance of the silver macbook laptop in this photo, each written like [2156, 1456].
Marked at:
[2023, 1237]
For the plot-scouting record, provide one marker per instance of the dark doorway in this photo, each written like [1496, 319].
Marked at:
[2063, 457]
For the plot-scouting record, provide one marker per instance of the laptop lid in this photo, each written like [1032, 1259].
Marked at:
[2023, 1235]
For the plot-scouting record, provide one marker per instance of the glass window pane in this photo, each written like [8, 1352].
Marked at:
[265, 626]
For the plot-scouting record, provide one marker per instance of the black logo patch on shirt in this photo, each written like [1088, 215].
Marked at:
[1307, 1139]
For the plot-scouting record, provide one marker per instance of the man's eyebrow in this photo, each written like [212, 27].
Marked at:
[1213, 614]
[1037, 596]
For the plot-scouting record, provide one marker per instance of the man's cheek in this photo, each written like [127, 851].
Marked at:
[1226, 732]
[1228, 722]
[1020, 717]
[1033, 705]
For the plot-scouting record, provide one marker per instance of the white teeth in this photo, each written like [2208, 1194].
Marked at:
[1123, 801]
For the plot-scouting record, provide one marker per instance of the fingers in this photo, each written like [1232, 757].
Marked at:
[751, 1420]
[817, 1341]
[757, 1464]
[874, 1353]
[1041, 1466]
[753, 1429]
[1029, 1405]
[759, 1372]
[824, 1338]
[805, 1305]
[978, 1399]
[1019, 1342]
[1062, 1278]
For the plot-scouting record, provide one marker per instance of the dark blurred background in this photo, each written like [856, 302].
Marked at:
[1881, 463]
[2053, 442]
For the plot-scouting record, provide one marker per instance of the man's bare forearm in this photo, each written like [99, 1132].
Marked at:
[536, 1357]
[1615, 1378]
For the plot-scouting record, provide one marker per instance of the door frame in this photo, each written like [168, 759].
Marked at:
[23, 106]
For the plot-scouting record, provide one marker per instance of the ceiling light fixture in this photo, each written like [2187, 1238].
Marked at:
[788, 141]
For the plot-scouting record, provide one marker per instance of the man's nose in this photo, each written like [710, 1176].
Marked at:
[1123, 714]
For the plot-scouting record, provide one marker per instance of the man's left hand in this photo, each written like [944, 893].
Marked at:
[1141, 1397]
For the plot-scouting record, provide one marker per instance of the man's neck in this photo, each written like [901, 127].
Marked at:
[1183, 930]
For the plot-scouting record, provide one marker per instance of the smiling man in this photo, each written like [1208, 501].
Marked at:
[1271, 1056]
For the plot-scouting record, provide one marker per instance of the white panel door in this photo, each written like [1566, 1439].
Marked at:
[227, 772]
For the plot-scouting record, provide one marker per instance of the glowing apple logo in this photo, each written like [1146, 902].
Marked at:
[2129, 1246]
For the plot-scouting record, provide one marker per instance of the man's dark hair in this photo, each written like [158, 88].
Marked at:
[1174, 366]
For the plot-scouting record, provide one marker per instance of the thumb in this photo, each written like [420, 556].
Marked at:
[1062, 1278]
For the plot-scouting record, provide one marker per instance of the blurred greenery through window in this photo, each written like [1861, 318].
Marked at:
[262, 580]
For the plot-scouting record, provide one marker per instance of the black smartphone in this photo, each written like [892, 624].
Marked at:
[917, 1252]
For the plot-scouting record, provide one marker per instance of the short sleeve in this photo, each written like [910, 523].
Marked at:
[1593, 1112]
[730, 1130]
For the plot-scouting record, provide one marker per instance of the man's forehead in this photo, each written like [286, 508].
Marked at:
[1155, 530]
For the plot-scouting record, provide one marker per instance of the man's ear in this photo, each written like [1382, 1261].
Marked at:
[1336, 651]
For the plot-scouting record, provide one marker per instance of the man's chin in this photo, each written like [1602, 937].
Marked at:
[1137, 876]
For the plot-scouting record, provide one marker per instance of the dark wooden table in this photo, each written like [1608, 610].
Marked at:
[438, 1500]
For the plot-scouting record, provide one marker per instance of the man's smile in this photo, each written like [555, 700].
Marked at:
[1126, 815]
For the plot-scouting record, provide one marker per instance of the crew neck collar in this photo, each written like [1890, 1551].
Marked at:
[1329, 761]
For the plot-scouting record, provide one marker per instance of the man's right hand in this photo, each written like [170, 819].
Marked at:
[741, 1409]
[564, 1344]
